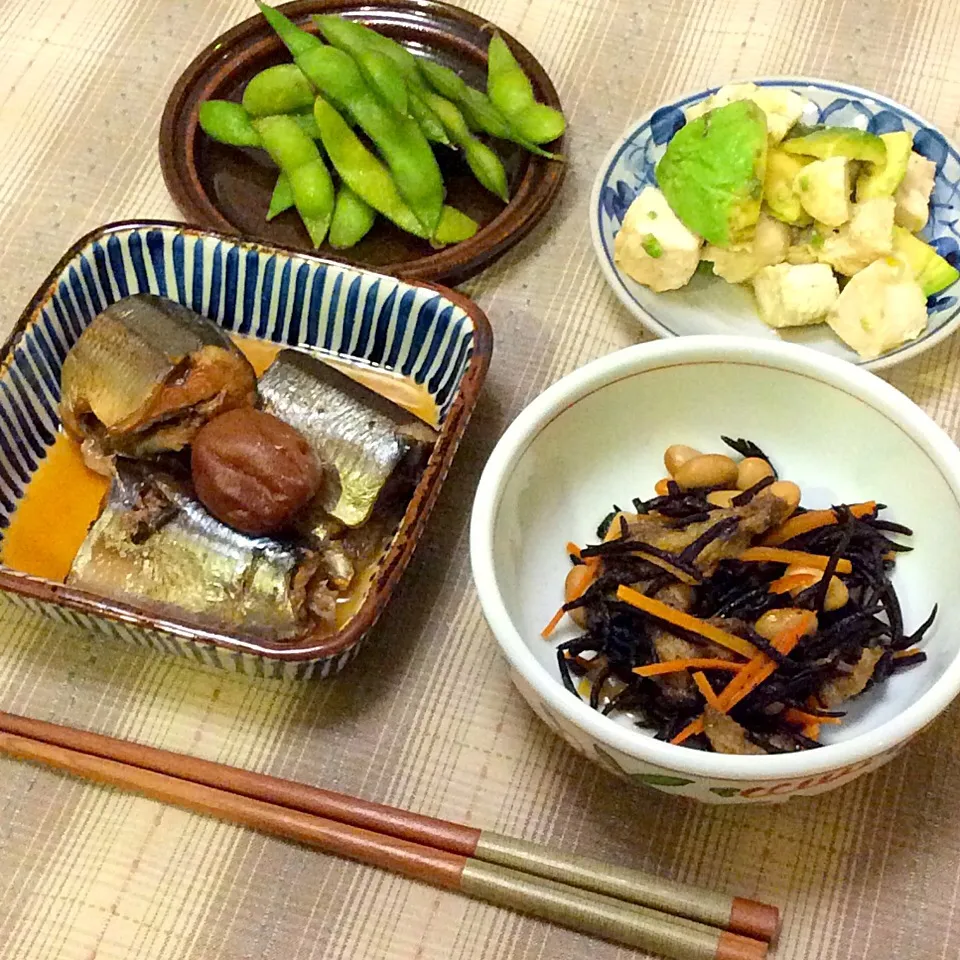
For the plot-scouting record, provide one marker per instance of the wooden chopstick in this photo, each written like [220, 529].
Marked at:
[277, 806]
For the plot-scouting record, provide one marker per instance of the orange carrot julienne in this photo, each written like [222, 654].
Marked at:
[709, 694]
[794, 581]
[811, 731]
[751, 676]
[552, 625]
[906, 653]
[666, 565]
[573, 550]
[813, 520]
[775, 555]
[690, 663]
[793, 715]
[685, 621]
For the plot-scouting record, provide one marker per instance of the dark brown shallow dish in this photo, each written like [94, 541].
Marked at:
[229, 189]
[121, 257]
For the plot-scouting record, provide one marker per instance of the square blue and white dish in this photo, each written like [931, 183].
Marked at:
[434, 336]
[710, 305]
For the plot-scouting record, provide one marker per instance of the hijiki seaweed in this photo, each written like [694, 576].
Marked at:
[735, 620]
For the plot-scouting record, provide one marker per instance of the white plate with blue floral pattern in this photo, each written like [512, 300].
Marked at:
[711, 305]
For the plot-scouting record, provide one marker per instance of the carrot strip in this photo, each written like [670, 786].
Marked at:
[795, 581]
[572, 549]
[906, 653]
[690, 663]
[750, 677]
[773, 555]
[813, 520]
[811, 731]
[793, 715]
[685, 621]
[552, 625]
[703, 685]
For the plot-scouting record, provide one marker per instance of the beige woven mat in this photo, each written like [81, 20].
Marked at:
[426, 717]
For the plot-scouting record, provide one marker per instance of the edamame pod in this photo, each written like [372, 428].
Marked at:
[279, 89]
[363, 172]
[426, 119]
[398, 139]
[483, 162]
[511, 92]
[227, 122]
[480, 113]
[282, 197]
[360, 41]
[298, 157]
[352, 219]
[297, 41]
[307, 122]
[385, 79]
[454, 227]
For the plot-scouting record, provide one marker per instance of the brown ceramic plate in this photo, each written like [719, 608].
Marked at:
[434, 335]
[229, 189]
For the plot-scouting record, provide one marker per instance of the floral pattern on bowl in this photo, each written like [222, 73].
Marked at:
[710, 305]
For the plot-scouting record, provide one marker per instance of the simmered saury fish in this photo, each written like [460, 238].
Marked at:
[146, 375]
[154, 543]
[362, 439]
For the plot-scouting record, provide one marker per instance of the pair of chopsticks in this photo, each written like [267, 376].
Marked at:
[626, 906]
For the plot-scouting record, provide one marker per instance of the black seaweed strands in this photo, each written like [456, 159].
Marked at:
[855, 645]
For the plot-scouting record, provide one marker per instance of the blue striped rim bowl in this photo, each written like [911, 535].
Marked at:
[709, 305]
[434, 335]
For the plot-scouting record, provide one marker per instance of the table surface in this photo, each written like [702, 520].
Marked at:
[426, 717]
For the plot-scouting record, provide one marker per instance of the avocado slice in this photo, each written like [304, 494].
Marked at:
[782, 200]
[930, 270]
[713, 170]
[882, 181]
[846, 142]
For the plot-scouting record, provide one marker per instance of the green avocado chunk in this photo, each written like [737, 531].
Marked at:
[782, 199]
[882, 181]
[712, 172]
[846, 142]
[930, 270]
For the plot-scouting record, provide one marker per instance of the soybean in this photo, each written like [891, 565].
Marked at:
[578, 580]
[297, 41]
[722, 498]
[426, 119]
[837, 592]
[227, 122]
[352, 219]
[298, 157]
[282, 197]
[279, 89]
[751, 471]
[774, 622]
[386, 79]
[511, 92]
[454, 227]
[483, 162]
[784, 490]
[707, 470]
[676, 455]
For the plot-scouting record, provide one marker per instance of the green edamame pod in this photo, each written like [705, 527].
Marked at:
[483, 162]
[353, 37]
[307, 122]
[297, 41]
[360, 41]
[352, 219]
[279, 89]
[480, 113]
[426, 119]
[298, 157]
[227, 122]
[454, 226]
[511, 92]
[398, 138]
[361, 170]
[385, 78]
[282, 197]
